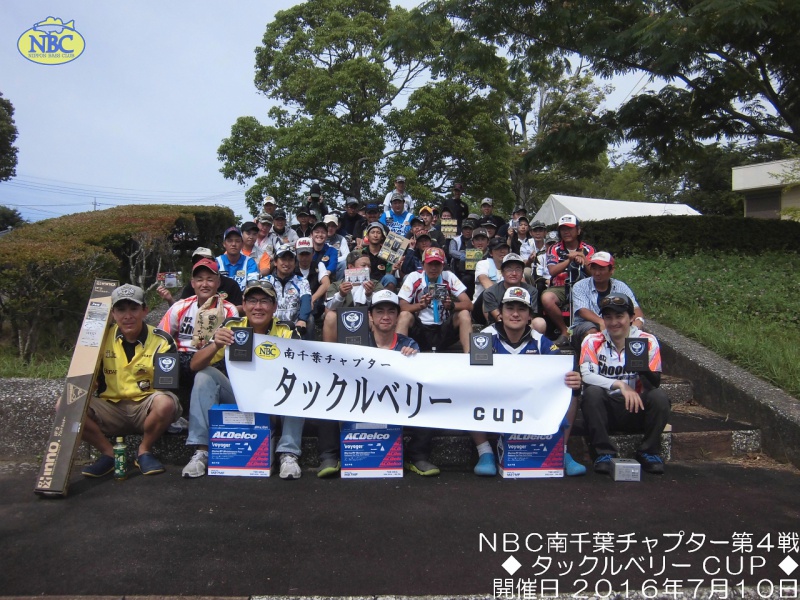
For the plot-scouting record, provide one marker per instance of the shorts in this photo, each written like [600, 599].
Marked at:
[126, 416]
[428, 337]
[560, 293]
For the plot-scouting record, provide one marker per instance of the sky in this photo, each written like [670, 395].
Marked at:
[139, 116]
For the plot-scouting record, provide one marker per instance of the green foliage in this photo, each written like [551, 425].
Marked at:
[10, 217]
[792, 213]
[686, 235]
[744, 307]
[49, 365]
[8, 135]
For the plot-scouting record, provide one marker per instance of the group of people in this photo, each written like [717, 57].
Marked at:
[289, 282]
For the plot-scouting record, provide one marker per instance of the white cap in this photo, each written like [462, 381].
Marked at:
[269, 200]
[568, 221]
[330, 219]
[517, 294]
[304, 245]
[486, 201]
[384, 297]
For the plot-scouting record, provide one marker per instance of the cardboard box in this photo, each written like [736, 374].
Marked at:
[241, 444]
[371, 450]
[625, 469]
[71, 408]
[531, 456]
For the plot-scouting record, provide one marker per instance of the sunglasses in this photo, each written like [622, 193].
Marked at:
[613, 301]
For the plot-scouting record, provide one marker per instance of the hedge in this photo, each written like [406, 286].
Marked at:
[687, 235]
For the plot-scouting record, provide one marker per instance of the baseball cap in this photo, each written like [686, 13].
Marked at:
[468, 223]
[127, 292]
[330, 219]
[279, 214]
[316, 191]
[568, 221]
[269, 200]
[384, 297]
[230, 231]
[488, 223]
[205, 252]
[496, 243]
[517, 294]
[206, 263]
[304, 245]
[377, 225]
[486, 201]
[397, 196]
[259, 284]
[521, 209]
[319, 224]
[552, 238]
[426, 208]
[512, 257]
[480, 231]
[400, 178]
[538, 225]
[424, 234]
[372, 208]
[249, 226]
[433, 254]
[616, 302]
[264, 218]
[416, 220]
[351, 202]
[602, 259]
[302, 212]
[459, 187]
[284, 249]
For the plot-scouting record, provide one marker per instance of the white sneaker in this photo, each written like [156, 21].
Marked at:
[178, 426]
[289, 467]
[196, 467]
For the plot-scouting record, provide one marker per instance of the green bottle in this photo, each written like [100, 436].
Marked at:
[120, 459]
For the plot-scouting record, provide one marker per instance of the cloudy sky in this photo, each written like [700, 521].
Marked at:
[139, 116]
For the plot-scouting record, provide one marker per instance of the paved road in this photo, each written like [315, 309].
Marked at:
[234, 536]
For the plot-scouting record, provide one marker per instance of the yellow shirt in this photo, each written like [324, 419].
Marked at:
[277, 329]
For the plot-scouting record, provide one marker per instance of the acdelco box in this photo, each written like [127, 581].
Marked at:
[371, 450]
[240, 443]
[528, 456]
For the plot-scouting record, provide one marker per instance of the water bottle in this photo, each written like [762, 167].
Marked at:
[120, 459]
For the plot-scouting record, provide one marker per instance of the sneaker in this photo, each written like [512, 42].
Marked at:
[289, 467]
[197, 466]
[561, 340]
[602, 464]
[99, 468]
[423, 467]
[178, 426]
[487, 466]
[651, 463]
[572, 468]
[149, 464]
[328, 468]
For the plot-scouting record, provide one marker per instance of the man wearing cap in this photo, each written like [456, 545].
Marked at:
[191, 322]
[336, 241]
[378, 268]
[534, 252]
[457, 207]
[303, 227]
[512, 270]
[126, 402]
[282, 233]
[315, 204]
[487, 271]
[270, 205]
[315, 272]
[510, 226]
[487, 210]
[233, 263]
[226, 284]
[437, 237]
[213, 387]
[618, 400]
[351, 223]
[412, 259]
[565, 262]
[264, 222]
[489, 226]
[397, 219]
[322, 251]
[344, 294]
[399, 188]
[512, 334]
[435, 306]
[293, 292]
[587, 293]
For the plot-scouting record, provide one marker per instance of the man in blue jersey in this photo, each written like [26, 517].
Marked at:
[233, 263]
[513, 335]
[385, 313]
[397, 219]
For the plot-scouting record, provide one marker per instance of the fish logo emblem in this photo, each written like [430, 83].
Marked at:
[637, 348]
[481, 342]
[167, 363]
[51, 42]
[352, 320]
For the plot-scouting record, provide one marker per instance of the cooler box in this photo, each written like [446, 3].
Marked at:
[529, 456]
[240, 443]
[371, 450]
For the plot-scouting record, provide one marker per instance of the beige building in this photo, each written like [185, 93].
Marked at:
[766, 187]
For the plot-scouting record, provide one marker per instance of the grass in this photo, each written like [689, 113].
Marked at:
[744, 308]
[51, 366]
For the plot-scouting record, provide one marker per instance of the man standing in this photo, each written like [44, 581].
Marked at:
[213, 387]
[565, 261]
[399, 188]
[337, 242]
[126, 402]
[270, 205]
[315, 205]
[616, 399]
[457, 207]
[587, 294]
[233, 263]
[437, 237]
[351, 223]
[512, 334]
[487, 210]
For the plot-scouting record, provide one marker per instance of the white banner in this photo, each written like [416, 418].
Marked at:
[522, 394]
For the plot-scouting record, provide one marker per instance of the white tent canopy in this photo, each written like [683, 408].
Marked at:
[597, 209]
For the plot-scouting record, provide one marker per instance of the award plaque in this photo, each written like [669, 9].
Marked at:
[352, 326]
[480, 349]
[166, 371]
[637, 353]
[242, 348]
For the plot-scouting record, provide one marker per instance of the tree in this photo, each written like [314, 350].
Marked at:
[8, 135]
[10, 217]
[730, 67]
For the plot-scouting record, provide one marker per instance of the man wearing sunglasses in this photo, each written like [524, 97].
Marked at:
[211, 384]
[614, 398]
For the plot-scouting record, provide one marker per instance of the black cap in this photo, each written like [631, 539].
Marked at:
[303, 212]
[496, 243]
[279, 214]
[316, 191]
[249, 226]
[619, 303]
[319, 224]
